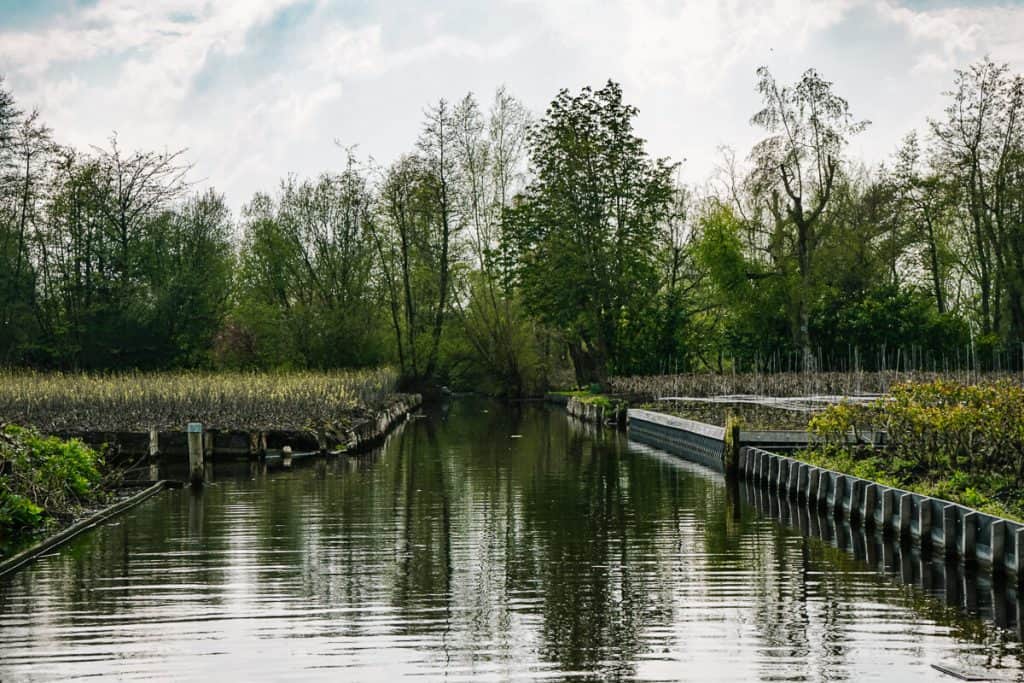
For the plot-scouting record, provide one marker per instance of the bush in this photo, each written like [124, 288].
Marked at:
[956, 441]
[44, 479]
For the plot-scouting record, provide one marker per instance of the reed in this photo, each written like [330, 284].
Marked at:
[654, 387]
[67, 403]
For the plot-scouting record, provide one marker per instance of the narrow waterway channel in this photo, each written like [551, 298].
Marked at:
[486, 541]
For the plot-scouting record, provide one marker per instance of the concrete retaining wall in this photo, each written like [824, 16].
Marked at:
[953, 529]
[696, 441]
[591, 412]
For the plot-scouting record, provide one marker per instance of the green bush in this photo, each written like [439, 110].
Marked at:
[44, 479]
[959, 442]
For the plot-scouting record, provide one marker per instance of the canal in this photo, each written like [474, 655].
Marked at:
[491, 542]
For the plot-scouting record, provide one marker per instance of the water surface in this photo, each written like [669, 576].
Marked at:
[488, 542]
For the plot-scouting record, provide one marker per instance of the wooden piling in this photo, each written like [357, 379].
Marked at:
[924, 521]
[195, 453]
[286, 456]
[870, 502]
[837, 495]
[814, 487]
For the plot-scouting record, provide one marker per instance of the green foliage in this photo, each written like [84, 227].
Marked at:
[43, 479]
[301, 299]
[586, 228]
[958, 441]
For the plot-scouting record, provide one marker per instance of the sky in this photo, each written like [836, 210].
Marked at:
[259, 89]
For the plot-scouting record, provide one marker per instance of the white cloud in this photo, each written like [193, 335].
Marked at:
[256, 94]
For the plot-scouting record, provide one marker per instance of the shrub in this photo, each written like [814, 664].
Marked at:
[43, 479]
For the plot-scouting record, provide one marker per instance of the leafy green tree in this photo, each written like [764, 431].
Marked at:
[304, 296]
[795, 171]
[587, 227]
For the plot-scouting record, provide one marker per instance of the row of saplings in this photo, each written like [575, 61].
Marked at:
[44, 482]
[959, 442]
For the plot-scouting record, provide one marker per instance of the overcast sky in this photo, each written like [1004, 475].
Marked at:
[257, 89]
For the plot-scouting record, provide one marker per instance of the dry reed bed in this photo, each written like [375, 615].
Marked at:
[132, 402]
[653, 387]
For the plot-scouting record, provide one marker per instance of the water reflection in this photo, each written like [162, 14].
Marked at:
[459, 551]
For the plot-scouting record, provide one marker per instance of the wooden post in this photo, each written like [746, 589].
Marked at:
[837, 495]
[286, 456]
[924, 521]
[856, 500]
[195, 453]
[154, 442]
[814, 488]
[154, 454]
[969, 536]
[732, 445]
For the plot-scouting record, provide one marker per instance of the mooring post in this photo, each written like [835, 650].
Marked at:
[732, 445]
[154, 442]
[286, 456]
[195, 453]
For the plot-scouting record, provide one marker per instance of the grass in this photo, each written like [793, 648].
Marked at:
[67, 403]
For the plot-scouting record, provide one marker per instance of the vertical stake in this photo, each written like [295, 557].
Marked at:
[195, 453]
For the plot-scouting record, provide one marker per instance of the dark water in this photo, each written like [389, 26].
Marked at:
[459, 552]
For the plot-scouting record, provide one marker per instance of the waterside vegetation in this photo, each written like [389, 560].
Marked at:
[44, 481]
[138, 402]
[962, 443]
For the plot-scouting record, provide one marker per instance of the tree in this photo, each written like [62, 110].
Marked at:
[587, 225]
[305, 296]
[795, 171]
[925, 203]
[981, 151]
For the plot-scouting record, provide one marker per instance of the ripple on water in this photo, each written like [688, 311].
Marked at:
[451, 553]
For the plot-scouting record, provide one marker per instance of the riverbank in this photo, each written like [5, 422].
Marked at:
[46, 483]
[64, 467]
[960, 440]
[962, 443]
